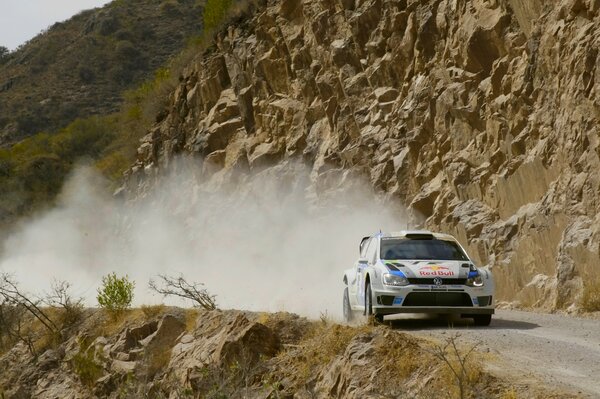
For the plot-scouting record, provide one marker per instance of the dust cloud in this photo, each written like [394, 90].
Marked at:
[273, 241]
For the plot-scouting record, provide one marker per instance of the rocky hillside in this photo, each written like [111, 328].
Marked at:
[177, 353]
[480, 116]
[80, 67]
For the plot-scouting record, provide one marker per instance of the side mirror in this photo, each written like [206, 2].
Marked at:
[362, 244]
[363, 261]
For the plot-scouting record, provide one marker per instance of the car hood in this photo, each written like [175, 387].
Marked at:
[429, 269]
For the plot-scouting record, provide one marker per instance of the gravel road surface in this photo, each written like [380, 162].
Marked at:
[556, 350]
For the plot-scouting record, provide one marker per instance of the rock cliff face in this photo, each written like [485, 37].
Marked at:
[480, 116]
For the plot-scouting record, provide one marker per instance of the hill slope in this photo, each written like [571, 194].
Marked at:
[481, 116]
[81, 67]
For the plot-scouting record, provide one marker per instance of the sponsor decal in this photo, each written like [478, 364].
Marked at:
[435, 270]
[398, 300]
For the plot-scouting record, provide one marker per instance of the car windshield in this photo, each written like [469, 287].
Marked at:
[412, 249]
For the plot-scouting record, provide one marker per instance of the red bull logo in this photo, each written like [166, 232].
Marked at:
[435, 270]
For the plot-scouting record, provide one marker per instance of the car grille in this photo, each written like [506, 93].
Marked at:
[437, 299]
[445, 281]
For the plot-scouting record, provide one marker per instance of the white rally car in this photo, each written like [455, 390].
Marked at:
[417, 272]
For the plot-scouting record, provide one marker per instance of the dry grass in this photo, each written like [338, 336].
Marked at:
[509, 394]
[191, 315]
[400, 357]
[158, 361]
[110, 326]
[590, 296]
[263, 318]
[153, 311]
[319, 346]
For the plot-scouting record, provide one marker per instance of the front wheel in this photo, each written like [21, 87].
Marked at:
[348, 316]
[482, 319]
[368, 300]
[371, 317]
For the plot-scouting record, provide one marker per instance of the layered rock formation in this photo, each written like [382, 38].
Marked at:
[480, 116]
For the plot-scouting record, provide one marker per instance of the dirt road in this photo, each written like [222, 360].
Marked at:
[557, 350]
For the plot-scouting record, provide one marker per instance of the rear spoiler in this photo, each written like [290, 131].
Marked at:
[420, 236]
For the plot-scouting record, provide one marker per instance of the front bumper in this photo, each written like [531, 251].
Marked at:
[447, 299]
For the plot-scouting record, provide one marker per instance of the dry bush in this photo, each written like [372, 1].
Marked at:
[179, 287]
[458, 362]
[22, 318]
[69, 309]
[153, 311]
[14, 327]
[318, 347]
[590, 296]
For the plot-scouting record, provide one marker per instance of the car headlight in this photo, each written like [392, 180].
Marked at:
[475, 281]
[393, 279]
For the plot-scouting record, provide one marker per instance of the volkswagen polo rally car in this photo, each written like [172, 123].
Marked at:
[417, 272]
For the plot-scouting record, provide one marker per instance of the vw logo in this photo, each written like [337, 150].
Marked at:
[438, 281]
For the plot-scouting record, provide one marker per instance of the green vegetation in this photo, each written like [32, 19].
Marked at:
[4, 54]
[116, 294]
[85, 366]
[32, 171]
[215, 11]
[48, 84]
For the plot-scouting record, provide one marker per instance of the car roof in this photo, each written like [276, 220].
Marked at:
[408, 233]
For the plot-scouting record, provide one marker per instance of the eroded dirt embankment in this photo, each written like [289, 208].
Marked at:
[169, 352]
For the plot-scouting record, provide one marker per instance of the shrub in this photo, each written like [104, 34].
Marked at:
[116, 294]
[181, 288]
[215, 12]
[70, 309]
[85, 366]
[4, 54]
[590, 297]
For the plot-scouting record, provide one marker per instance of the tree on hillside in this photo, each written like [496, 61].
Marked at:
[4, 53]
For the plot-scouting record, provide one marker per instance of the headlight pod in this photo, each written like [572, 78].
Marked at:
[475, 281]
[395, 280]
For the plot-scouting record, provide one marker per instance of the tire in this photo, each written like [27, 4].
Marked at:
[368, 300]
[371, 317]
[348, 313]
[482, 320]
